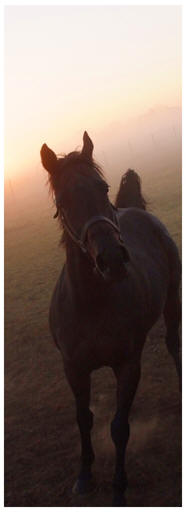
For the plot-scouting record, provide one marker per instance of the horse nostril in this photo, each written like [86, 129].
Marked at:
[125, 253]
[112, 265]
[101, 264]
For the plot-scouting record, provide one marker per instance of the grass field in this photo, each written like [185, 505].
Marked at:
[42, 446]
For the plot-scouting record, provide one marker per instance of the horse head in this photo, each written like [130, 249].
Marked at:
[89, 220]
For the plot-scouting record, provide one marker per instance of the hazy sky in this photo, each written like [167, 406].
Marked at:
[68, 69]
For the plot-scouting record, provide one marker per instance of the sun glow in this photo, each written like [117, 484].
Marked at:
[68, 69]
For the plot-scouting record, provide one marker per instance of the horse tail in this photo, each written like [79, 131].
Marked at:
[129, 193]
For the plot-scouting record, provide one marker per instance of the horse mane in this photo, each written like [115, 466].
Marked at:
[74, 158]
[64, 162]
[129, 193]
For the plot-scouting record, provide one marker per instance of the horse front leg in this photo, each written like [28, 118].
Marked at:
[80, 385]
[128, 376]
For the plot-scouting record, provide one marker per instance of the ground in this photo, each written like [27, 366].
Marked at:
[42, 448]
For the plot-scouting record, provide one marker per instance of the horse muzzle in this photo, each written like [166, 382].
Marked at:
[112, 266]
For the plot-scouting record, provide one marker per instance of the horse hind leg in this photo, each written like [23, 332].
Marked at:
[172, 316]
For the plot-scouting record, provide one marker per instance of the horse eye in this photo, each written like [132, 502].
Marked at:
[105, 187]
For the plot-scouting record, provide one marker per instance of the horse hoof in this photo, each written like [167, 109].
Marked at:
[119, 500]
[83, 486]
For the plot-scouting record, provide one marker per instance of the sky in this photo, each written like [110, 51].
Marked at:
[76, 68]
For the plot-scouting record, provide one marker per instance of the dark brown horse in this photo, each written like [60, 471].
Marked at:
[129, 193]
[122, 271]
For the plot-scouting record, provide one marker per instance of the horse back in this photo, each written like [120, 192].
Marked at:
[145, 234]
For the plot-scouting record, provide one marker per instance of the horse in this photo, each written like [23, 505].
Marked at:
[129, 193]
[122, 271]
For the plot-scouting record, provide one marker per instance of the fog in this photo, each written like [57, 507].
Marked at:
[151, 144]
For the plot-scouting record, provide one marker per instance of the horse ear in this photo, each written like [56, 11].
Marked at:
[48, 158]
[87, 146]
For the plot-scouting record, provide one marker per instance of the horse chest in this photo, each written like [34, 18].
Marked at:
[97, 337]
[102, 330]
